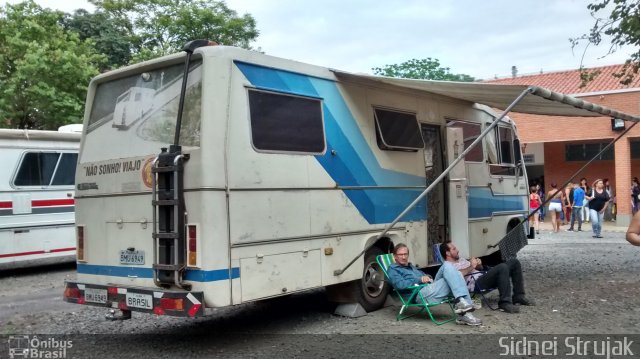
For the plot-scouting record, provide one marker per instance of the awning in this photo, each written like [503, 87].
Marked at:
[544, 101]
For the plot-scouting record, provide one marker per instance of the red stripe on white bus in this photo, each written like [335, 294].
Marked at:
[36, 252]
[52, 202]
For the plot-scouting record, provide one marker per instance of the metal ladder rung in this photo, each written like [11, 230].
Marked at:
[173, 267]
[166, 235]
[164, 202]
[163, 169]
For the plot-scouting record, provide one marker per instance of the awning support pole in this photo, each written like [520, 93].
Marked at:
[439, 179]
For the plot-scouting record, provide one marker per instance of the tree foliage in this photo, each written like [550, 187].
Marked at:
[425, 69]
[44, 70]
[160, 27]
[623, 25]
[112, 36]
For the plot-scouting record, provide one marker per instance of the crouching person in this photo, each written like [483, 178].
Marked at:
[500, 276]
[402, 274]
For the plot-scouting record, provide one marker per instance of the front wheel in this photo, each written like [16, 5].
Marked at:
[372, 288]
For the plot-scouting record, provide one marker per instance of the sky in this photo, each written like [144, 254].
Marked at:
[483, 39]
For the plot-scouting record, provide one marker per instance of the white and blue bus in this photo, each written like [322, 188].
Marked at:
[284, 174]
[37, 197]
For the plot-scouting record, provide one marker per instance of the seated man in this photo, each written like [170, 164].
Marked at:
[403, 274]
[500, 276]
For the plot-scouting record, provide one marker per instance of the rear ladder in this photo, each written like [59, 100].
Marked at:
[169, 240]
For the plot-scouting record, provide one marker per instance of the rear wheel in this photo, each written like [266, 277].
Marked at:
[372, 288]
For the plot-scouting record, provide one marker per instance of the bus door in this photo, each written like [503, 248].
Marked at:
[436, 204]
[458, 193]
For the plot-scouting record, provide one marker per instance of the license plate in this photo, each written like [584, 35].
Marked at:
[138, 300]
[132, 257]
[95, 295]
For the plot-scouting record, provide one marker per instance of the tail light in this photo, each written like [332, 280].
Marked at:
[172, 303]
[72, 293]
[192, 245]
[80, 243]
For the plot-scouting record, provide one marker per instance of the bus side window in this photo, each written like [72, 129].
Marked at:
[36, 169]
[397, 131]
[286, 123]
[66, 171]
[504, 147]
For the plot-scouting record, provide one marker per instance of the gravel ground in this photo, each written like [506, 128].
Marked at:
[581, 286]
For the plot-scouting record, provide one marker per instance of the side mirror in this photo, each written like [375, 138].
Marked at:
[517, 151]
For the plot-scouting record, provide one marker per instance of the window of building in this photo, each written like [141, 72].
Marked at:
[397, 130]
[46, 169]
[470, 132]
[635, 149]
[587, 151]
[286, 123]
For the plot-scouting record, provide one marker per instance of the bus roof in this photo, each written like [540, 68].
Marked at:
[39, 135]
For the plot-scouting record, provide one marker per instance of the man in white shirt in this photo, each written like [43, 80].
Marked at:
[500, 276]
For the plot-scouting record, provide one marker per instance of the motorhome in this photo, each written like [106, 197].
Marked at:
[279, 177]
[37, 197]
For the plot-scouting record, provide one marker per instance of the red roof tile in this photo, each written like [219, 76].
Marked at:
[568, 82]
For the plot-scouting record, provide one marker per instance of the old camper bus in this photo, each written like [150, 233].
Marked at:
[37, 197]
[282, 175]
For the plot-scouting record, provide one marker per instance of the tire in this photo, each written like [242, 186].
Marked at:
[372, 288]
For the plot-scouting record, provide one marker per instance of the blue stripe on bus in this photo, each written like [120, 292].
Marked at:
[195, 275]
[355, 164]
[483, 203]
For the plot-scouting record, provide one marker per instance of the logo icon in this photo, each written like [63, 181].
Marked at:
[19, 346]
[147, 176]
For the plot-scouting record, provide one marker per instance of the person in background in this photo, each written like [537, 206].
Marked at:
[585, 203]
[608, 213]
[555, 207]
[598, 202]
[568, 198]
[633, 232]
[576, 207]
[534, 204]
[635, 192]
[540, 189]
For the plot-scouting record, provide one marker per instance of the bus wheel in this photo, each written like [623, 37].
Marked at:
[372, 289]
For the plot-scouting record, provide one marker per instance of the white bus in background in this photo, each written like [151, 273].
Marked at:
[37, 196]
[287, 172]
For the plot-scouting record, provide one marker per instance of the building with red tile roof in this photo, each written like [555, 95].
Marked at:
[556, 147]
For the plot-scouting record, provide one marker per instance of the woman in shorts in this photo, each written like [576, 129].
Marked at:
[555, 206]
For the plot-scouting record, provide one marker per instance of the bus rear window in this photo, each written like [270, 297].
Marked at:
[141, 110]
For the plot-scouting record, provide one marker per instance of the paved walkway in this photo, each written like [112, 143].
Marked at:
[586, 227]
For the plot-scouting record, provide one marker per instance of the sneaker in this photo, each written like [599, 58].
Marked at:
[508, 307]
[468, 319]
[463, 306]
[598, 236]
[570, 230]
[524, 301]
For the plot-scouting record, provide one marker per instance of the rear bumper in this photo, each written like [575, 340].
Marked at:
[177, 303]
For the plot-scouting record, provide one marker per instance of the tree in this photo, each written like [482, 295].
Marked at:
[425, 69]
[163, 26]
[623, 25]
[44, 70]
[112, 36]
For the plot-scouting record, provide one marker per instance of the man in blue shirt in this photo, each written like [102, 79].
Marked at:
[402, 274]
[576, 204]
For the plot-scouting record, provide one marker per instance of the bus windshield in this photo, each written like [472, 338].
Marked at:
[136, 115]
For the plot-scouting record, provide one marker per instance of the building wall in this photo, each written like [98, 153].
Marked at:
[556, 131]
